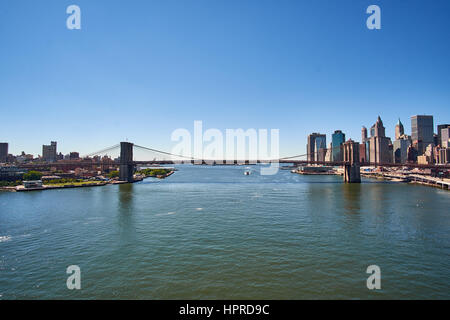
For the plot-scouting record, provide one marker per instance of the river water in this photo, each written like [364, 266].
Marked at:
[210, 232]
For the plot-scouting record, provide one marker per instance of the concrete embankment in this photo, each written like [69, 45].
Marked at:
[385, 176]
[409, 178]
[66, 186]
[162, 176]
[430, 181]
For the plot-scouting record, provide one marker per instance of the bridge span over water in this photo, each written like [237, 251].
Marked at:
[351, 161]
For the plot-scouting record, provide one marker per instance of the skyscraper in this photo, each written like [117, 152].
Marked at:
[321, 147]
[378, 130]
[328, 154]
[399, 130]
[363, 145]
[378, 150]
[49, 152]
[421, 132]
[337, 139]
[400, 150]
[445, 137]
[439, 133]
[316, 147]
[363, 134]
[3, 151]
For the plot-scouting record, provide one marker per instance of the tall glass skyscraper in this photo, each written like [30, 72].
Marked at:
[421, 132]
[316, 147]
[337, 139]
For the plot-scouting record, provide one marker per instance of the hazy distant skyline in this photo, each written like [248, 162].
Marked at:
[138, 70]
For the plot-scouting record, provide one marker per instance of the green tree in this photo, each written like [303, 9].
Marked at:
[32, 175]
[113, 174]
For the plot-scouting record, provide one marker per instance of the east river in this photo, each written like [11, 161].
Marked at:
[215, 233]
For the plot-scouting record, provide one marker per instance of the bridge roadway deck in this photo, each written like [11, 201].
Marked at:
[80, 164]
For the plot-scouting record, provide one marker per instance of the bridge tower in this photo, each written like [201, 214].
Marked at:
[351, 160]
[126, 162]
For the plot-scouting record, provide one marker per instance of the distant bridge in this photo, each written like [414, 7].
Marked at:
[126, 164]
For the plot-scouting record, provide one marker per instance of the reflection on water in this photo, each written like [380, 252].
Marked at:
[126, 197]
[351, 196]
[125, 213]
[256, 237]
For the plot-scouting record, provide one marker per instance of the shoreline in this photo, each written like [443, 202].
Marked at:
[410, 179]
[21, 188]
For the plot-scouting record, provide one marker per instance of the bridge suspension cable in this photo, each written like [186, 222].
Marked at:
[312, 153]
[292, 157]
[102, 151]
[166, 153]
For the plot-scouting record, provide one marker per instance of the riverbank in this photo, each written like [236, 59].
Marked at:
[159, 174]
[84, 184]
[409, 178]
[61, 186]
[382, 175]
[163, 176]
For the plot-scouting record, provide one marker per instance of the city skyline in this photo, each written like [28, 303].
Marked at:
[297, 73]
[342, 130]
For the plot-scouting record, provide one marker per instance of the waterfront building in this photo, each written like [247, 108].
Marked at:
[11, 173]
[337, 139]
[320, 154]
[399, 130]
[439, 133]
[444, 155]
[314, 170]
[421, 132]
[49, 152]
[429, 152]
[329, 154]
[423, 159]
[321, 148]
[3, 152]
[32, 184]
[400, 150]
[379, 144]
[445, 137]
[412, 154]
[316, 142]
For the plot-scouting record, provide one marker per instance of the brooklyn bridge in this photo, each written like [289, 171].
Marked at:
[350, 150]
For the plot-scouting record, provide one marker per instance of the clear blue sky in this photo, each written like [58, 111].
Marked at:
[138, 70]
